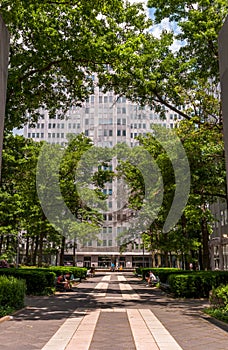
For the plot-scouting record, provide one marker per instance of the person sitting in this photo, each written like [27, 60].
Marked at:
[151, 279]
[62, 283]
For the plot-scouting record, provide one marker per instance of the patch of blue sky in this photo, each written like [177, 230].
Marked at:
[166, 24]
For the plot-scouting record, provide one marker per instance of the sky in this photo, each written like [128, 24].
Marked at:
[165, 24]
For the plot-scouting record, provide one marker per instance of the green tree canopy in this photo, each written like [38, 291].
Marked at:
[57, 46]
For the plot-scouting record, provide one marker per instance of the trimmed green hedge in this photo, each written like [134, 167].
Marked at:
[37, 282]
[78, 272]
[12, 292]
[196, 284]
[41, 281]
[162, 273]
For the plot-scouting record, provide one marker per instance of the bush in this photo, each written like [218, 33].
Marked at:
[219, 297]
[38, 282]
[12, 293]
[162, 273]
[78, 272]
[196, 284]
[219, 303]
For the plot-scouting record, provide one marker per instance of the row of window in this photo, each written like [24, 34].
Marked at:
[36, 135]
[56, 135]
[55, 125]
[106, 99]
[138, 126]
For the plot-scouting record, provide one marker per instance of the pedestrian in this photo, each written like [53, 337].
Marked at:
[112, 267]
[92, 270]
[150, 278]
[63, 282]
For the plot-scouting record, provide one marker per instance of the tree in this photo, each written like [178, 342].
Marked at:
[185, 80]
[57, 46]
[27, 196]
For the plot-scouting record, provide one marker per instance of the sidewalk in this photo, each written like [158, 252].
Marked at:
[112, 310]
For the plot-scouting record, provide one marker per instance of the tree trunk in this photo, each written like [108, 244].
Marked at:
[74, 254]
[40, 253]
[27, 251]
[61, 262]
[1, 242]
[205, 240]
[35, 250]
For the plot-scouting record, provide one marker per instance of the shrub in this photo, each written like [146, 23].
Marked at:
[196, 284]
[162, 273]
[12, 292]
[38, 282]
[219, 297]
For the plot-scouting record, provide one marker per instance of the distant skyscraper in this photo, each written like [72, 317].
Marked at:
[107, 120]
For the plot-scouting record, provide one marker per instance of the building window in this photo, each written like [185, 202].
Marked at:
[110, 133]
[118, 132]
[124, 132]
[110, 242]
[104, 242]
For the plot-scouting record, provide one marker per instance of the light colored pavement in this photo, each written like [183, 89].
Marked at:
[112, 310]
[148, 332]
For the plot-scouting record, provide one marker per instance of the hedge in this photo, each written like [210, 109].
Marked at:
[37, 282]
[196, 284]
[162, 273]
[41, 281]
[12, 292]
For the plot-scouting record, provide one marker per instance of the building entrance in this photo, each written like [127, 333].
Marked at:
[104, 261]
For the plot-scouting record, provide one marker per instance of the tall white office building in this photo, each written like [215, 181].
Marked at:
[107, 120]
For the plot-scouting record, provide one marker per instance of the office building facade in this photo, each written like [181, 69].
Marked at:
[107, 120]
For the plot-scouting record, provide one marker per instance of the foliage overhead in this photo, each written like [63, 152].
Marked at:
[57, 46]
